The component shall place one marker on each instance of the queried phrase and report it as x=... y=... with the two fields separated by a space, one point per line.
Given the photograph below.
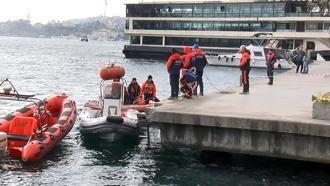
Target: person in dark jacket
x=299 y=58
x=197 y=59
x=133 y=91
x=173 y=66
x=271 y=60
x=245 y=68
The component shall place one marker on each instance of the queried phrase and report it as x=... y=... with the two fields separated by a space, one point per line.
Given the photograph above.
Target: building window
x=310 y=45
x=198 y=11
x=150 y=40
x=208 y=11
x=187 y=11
x=127 y=24
x=256 y=10
x=135 y=40
x=233 y=10
x=245 y=10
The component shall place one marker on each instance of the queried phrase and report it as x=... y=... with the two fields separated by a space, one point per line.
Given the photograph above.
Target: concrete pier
x=274 y=121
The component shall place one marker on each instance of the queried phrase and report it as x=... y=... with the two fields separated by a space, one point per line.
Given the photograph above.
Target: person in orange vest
x=245 y=68
x=197 y=59
x=148 y=90
x=271 y=60
x=173 y=66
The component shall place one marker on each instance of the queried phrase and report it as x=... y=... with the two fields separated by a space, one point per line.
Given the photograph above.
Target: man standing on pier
x=271 y=60
x=245 y=68
x=198 y=60
x=174 y=65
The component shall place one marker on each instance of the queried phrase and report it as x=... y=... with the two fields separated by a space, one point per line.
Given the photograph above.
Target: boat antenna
x=105 y=7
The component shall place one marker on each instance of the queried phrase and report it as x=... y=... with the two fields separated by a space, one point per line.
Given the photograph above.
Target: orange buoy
x=112 y=72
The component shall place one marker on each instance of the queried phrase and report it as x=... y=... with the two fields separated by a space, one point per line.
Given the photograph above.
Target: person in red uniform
x=245 y=68
x=148 y=90
x=173 y=66
x=186 y=51
x=197 y=59
x=271 y=60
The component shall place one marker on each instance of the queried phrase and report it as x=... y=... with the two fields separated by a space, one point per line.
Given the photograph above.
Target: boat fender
x=219 y=58
x=115 y=119
x=3 y=143
x=232 y=58
x=226 y=58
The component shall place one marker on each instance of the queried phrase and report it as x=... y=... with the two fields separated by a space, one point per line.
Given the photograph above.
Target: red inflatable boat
x=35 y=129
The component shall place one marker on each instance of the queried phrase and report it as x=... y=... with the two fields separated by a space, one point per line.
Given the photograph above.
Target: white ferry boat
x=222 y=26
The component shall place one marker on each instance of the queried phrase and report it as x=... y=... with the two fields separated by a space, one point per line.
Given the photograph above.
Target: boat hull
x=109 y=130
x=60 y=119
x=232 y=61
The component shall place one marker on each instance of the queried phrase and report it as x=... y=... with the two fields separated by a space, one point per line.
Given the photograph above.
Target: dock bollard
x=240 y=81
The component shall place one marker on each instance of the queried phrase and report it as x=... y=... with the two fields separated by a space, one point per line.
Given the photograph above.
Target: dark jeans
x=149 y=97
x=245 y=80
x=270 y=74
x=299 y=65
x=174 y=82
x=200 y=83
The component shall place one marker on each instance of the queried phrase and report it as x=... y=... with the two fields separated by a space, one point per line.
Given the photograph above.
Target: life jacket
x=148 y=88
x=176 y=66
x=245 y=61
x=198 y=60
x=271 y=58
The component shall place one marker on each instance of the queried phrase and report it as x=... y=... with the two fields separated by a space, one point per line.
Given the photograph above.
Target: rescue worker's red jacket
x=174 y=63
x=192 y=54
x=186 y=50
x=148 y=88
x=271 y=58
x=245 y=61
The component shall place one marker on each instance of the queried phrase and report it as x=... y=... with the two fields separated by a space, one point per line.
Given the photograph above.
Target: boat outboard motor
x=3 y=144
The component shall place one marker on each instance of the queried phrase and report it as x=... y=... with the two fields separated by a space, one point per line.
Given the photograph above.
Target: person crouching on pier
x=271 y=60
x=174 y=65
x=148 y=90
x=188 y=82
x=245 y=68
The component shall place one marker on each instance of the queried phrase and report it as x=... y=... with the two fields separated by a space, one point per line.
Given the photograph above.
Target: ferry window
x=175 y=25
x=198 y=11
x=245 y=10
x=279 y=10
x=150 y=40
x=310 y=45
x=267 y=10
x=208 y=26
x=327 y=26
x=186 y=26
x=176 y=11
x=208 y=11
x=135 y=40
x=219 y=26
x=219 y=11
x=256 y=10
x=165 y=11
x=233 y=10
x=187 y=12
x=266 y=27
x=197 y=26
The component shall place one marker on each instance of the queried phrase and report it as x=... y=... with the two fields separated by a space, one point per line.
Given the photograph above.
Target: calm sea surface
x=46 y=67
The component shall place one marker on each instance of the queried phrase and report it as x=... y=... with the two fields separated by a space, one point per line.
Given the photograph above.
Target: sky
x=42 y=11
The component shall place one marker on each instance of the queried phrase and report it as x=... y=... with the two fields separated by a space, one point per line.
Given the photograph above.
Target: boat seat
x=21 y=128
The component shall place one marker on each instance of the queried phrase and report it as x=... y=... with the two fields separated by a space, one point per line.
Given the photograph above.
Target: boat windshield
x=113 y=91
